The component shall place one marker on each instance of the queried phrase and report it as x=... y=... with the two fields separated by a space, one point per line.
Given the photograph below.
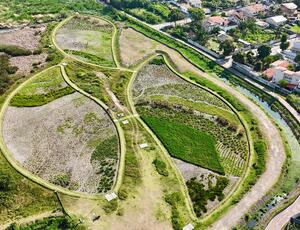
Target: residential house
x=293 y=78
x=236 y=16
x=253 y=10
x=270 y=72
x=295 y=46
x=218 y=22
x=261 y=24
x=276 y=21
x=289 y=9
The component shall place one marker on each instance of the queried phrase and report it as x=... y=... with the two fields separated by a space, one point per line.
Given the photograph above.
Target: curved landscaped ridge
x=127 y=127
x=204 y=137
x=61 y=136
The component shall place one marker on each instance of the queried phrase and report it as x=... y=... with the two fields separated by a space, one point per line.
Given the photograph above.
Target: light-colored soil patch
x=27 y=37
x=134 y=46
x=24 y=63
x=57 y=140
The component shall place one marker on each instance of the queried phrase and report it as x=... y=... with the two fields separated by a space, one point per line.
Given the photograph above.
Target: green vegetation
x=132 y=173
x=14 y=50
x=49 y=223
x=149 y=11
x=294 y=100
x=62 y=180
x=106 y=153
x=20 y=197
x=86 y=78
x=174 y=200
x=6 y=70
x=296 y=29
x=186 y=143
x=93 y=39
x=200 y=196
x=44 y=10
x=46 y=87
x=161 y=167
x=91 y=58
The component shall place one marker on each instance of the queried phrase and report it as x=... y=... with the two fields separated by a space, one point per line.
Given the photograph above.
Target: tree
x=197 y=14
x=239 y=57
x=283 y=83
x=228 y=47
x=297 y=58
x=258 y=66
x=264 y=51
x=175 y=15
x=284 y=44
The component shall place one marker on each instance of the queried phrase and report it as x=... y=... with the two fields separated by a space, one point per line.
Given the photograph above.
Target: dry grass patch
x=60 y=142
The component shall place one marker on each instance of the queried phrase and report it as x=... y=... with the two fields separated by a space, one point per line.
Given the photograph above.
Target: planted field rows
x=61 y=136
x=87 y=38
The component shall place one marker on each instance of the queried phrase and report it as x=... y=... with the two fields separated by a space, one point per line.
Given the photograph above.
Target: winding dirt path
x=279 y=221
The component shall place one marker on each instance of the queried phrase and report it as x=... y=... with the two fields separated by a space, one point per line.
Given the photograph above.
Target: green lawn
x=296 y=29
x=186 y=143
x=45 y=88
x=255 y=37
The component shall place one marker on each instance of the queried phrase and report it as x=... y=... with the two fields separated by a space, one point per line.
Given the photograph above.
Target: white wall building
x=293 y=78
x=277 y=20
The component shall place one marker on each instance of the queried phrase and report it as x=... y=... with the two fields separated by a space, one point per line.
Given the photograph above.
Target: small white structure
x=188 y=227
x=125 y=122
x=111 y=196
x=144 y=145
x=296 y=46
x=277 y=20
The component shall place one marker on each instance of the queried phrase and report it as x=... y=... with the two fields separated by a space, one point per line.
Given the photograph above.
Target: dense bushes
x=200 y=196
x=294 y=100
x=14 y=50
x=5 y=70
x=174 y=200
x=161 y=167
x=50 y=223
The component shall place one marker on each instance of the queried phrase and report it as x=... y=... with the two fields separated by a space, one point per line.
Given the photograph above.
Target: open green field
x=186 y=143
x=87 y=38
x=46 y=87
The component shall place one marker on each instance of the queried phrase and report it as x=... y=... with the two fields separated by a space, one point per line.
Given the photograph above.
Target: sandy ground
x=279 y=221
x=53 y=139
x=24 y=63
x=134 y=46
x=27 y=37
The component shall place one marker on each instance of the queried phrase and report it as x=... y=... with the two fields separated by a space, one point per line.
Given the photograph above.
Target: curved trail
x=281 y=219
x=274 y=162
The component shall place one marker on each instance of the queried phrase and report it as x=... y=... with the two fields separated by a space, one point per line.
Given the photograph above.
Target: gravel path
x=279 y=221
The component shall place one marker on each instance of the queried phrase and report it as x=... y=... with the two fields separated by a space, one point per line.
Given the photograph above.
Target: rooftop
x=290 y=5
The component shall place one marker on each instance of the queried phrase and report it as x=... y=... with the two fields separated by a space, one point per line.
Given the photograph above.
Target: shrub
x=161 y=167
x=14 y=50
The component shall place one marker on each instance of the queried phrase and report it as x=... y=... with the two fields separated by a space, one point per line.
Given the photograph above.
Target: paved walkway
x=279 y=221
